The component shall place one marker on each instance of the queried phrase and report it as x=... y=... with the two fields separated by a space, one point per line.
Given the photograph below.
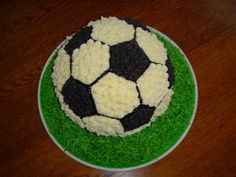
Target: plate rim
x=133 y=167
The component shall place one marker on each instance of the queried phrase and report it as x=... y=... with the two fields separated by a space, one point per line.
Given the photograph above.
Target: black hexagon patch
x=128 y=60
x=79 y=98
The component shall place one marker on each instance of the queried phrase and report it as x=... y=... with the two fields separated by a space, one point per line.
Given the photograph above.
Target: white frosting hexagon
x=151 y=46
x=115 y=96
x=103 y=125
x=162 y=107
x=61 y=69
x=112 y=31
x=153 y=84
x=90 y=61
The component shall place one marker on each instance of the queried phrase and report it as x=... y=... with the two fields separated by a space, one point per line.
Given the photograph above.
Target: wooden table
x=204 y=29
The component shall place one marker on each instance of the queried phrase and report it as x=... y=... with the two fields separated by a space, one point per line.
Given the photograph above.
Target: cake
x=113 y=77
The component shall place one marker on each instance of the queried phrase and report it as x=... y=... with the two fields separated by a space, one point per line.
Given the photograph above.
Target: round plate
x=132 y=152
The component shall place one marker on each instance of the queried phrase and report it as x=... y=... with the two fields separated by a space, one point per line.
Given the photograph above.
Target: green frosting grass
x=116 y=152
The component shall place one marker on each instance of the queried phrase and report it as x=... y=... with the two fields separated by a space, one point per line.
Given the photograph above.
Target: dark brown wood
x=204 y=29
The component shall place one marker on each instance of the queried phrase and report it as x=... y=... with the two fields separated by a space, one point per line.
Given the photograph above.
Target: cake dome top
x=113 y=77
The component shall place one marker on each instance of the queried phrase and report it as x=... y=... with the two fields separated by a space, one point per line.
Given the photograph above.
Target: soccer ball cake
x=113 y=77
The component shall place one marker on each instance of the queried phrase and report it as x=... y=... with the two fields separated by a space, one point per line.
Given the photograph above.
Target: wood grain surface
x=204 y=29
